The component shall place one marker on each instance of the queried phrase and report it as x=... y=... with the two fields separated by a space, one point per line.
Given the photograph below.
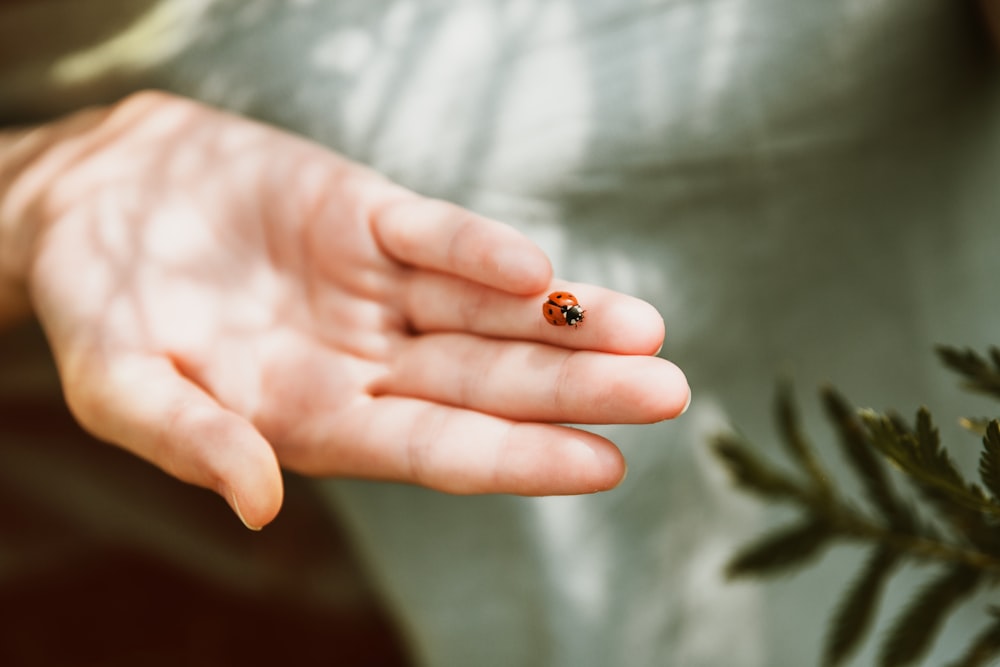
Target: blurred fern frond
x=955 y=525
x=982 y=373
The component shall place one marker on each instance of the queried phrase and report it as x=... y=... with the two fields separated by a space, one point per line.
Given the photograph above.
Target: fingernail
x=236 y=508
x=686 y=405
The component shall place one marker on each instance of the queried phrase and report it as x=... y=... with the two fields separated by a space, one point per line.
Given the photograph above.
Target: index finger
x=440 y=236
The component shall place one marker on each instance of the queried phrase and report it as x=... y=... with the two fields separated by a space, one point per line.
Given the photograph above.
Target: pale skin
x=225 y=299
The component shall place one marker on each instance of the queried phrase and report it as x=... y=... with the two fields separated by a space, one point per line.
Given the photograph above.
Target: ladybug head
x=574 y=315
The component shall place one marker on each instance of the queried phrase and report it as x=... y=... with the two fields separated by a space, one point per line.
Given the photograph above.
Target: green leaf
x=920 y=455
x=914 y=631
x=888 y=438
x=857 y=608
x=752 y=474
x=960 y=502
x=985 y=647
x=932 y=455
x=781 y=550
x=795 y=440
x=981 y=375
x=857 y=447
x=989 y=460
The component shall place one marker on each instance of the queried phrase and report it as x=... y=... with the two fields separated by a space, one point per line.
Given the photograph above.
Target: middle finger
x=535 y=382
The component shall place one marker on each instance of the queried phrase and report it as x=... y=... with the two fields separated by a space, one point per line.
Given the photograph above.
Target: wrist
x=31 y=161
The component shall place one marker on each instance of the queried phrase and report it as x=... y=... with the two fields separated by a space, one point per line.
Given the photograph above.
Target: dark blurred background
x=104 y=560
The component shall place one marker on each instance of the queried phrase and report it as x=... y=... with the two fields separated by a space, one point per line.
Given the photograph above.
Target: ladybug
x=562 y=308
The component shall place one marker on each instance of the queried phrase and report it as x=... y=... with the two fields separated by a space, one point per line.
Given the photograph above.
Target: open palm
x=223 y=299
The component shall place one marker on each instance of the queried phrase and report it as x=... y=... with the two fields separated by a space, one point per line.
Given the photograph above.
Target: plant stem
x=852 y=525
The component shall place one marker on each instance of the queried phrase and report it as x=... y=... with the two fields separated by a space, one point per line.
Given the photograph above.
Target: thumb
x=143 y=404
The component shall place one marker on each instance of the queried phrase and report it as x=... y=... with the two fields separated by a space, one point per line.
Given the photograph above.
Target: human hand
x=223 y=298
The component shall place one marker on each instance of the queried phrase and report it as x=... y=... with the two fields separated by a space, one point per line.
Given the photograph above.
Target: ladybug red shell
x=562 y=308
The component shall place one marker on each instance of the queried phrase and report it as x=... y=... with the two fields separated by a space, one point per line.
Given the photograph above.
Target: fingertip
x=613 y=322
x=252 y=484
x=441 y=236
x=522 y=268
x=671 y=397
x=234 y=504
x=590 y=464
x=687 y=404
x=646 y=390
x=628 y=325
x=657 y=333
x=256 y=508
x=226 y=453
x=144 y=405
x=611 y=468
x=621 y=480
